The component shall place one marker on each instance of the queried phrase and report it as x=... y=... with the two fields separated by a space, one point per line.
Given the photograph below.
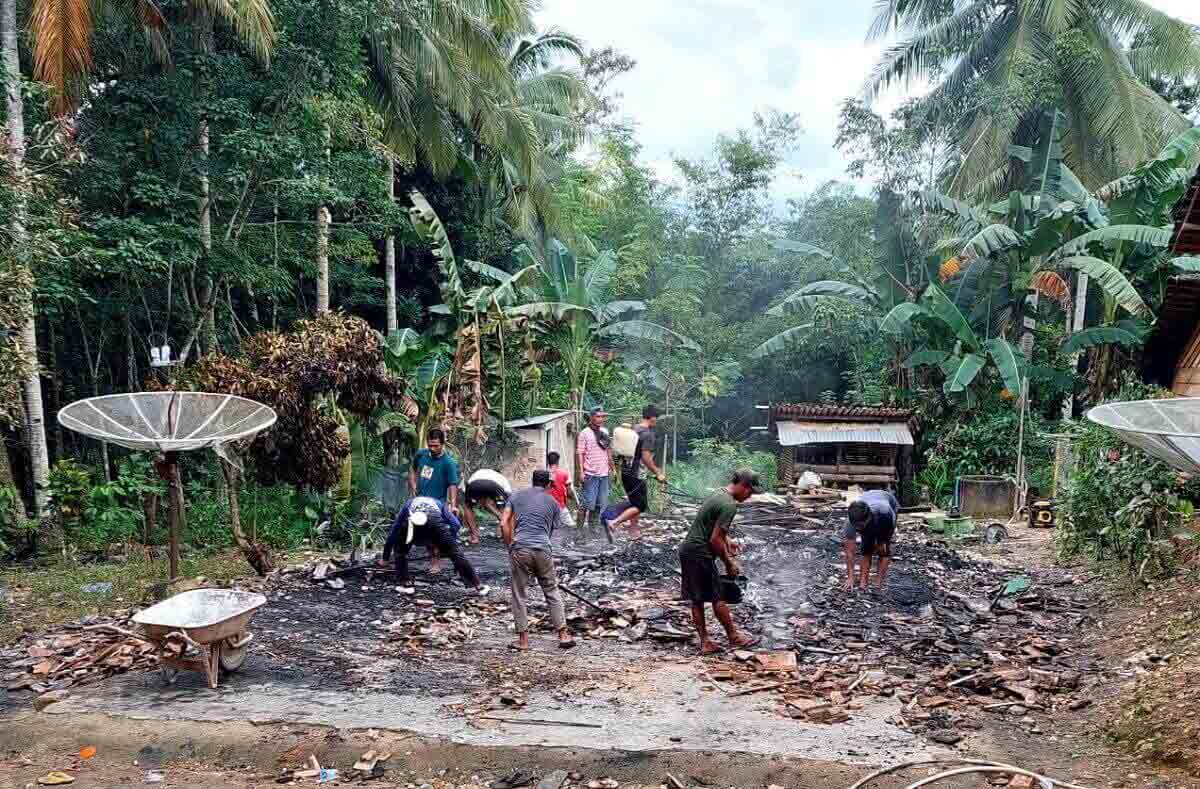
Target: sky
x=705 y=66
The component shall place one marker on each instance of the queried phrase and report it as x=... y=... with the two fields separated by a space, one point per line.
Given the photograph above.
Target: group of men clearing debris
x=527 y=519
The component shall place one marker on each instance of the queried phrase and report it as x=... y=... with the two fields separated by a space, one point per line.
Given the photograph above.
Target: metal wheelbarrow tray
x=201 y=630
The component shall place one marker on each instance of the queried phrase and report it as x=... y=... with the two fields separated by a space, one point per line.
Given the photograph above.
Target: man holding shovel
x=707 y=541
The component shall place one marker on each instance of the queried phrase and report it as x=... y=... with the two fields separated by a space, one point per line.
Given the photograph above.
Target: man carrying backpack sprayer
x=634 y=470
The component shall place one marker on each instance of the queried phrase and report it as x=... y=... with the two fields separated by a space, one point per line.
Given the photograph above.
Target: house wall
x=1187 y=371
x=520 y=467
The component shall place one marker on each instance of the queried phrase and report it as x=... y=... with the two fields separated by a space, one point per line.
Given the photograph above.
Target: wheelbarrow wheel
x=231 y=657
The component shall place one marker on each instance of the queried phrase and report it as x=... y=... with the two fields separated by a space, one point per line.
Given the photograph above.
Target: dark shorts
x=878 y=544
x=701 y=582
x=482 y=489
x=635 y=491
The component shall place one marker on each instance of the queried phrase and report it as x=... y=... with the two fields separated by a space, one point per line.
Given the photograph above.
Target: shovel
x=603 y=611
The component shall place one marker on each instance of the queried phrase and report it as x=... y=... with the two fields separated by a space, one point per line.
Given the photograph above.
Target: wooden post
x=178 y=518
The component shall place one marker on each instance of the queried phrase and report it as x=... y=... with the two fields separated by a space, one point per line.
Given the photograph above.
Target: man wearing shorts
x=873 y=520
x=429 y=522
x=488 y=489
x=708 y=540
x=595 y=462
x=634 y=471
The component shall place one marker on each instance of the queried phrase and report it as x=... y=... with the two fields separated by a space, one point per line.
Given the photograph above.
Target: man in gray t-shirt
x=526 y=526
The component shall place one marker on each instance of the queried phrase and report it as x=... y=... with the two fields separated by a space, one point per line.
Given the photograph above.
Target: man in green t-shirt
x=706 y=541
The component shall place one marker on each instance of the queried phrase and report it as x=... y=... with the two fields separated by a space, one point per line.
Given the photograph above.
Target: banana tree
x=569 y=303
x=479 y=318
x=953 y=346
x=900 y=271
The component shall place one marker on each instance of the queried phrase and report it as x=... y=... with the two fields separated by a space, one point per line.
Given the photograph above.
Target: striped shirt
x=595 y=457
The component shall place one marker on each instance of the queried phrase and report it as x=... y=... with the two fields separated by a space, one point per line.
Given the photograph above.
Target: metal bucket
x=984 y=496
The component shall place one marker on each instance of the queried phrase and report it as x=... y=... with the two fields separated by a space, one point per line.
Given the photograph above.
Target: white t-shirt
x=495 y=477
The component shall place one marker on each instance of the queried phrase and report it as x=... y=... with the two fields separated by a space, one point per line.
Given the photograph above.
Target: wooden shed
x=539 y=435
x=845 y=445
x=1173 y=350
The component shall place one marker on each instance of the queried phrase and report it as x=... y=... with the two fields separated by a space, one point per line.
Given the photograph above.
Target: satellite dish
x=167 y=421
x=170 y=423
x=1165 y=429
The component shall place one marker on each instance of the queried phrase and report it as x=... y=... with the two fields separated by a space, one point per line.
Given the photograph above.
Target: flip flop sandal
x=515 y=647
x=716 y=650
x=567 y=644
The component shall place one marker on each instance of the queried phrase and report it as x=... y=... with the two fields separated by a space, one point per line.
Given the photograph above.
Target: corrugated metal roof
x=794 y=434
x=534 y=421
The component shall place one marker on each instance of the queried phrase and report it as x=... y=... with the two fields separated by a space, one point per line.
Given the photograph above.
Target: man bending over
x=873 y=519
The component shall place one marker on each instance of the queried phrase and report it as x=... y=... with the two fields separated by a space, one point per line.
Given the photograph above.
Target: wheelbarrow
x=200 y=630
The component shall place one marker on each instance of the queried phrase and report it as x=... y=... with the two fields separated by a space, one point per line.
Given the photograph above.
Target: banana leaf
x=782 y=342
x=1138 y=234
x=801 y=248
x=971 y=364
x=652 y=332
x=926 y=357
x=550 y=310
x=991 y=240
x=1006 y=361
x=940 y=305
x=1186 y=263
x=599 y=275
x=615 y=308
x=1109 y=278
x=1099 y=335
x=899 y=320
x=429 y=227
x=803 y=299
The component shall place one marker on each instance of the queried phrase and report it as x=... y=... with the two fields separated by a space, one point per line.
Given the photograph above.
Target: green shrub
x=984 y=441
x=1121 y=505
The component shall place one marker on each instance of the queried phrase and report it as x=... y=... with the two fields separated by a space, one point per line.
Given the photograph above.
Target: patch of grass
x=47 y=596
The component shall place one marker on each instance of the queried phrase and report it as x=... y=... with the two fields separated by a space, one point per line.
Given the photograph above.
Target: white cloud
x=705 y=66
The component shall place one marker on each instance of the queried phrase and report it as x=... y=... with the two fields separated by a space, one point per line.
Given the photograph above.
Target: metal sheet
x=794 y=434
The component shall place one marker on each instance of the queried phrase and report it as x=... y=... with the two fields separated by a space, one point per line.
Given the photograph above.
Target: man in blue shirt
x=435 y=474
x=426 y=521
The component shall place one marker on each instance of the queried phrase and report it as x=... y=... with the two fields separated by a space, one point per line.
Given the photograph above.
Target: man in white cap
x=427 y=521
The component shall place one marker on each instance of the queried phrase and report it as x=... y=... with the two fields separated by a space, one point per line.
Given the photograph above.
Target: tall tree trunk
x=322 y=259
x=389 y=257
x=323 y=219
x=35 y=418
x=204 y=44
x=131 y=374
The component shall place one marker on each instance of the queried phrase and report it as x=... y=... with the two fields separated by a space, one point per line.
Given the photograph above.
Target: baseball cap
x=418 y=518
x=598 y=411
x=541 y=478
x=748 y=477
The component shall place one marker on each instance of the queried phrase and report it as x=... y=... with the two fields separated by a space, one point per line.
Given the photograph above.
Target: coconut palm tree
x=35 y=430
x=999 y=63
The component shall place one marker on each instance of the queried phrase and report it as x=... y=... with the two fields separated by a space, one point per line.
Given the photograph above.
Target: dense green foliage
x=1121 y=504
x=453 y=184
